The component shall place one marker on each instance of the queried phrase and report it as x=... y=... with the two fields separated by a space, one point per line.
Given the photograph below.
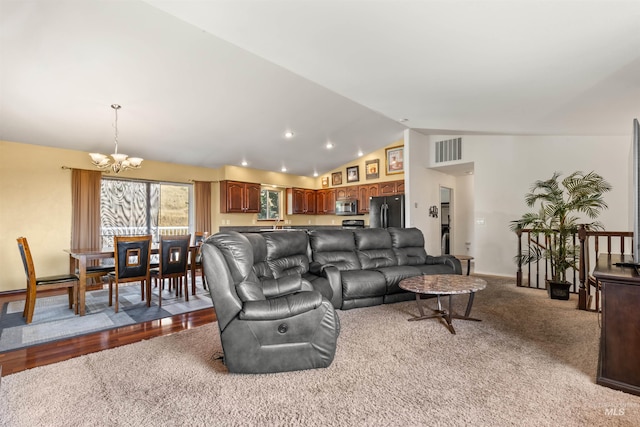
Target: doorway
x=446 y=225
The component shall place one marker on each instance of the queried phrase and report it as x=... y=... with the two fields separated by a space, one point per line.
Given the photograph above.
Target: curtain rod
x=80 y=169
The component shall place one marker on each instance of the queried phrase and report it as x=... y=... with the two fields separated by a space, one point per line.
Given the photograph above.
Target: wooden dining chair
x=132 y=256
x=36 y=284
x=174 y=256
x=198 y=238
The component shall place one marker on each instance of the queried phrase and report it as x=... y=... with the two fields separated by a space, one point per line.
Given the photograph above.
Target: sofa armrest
x=333 y=275
x=281 y=307
x=285 y=285
x=446 y=260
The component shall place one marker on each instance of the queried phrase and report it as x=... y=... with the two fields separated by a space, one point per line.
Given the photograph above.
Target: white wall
x=505 y=167
x=462 y=237
x=422 y=190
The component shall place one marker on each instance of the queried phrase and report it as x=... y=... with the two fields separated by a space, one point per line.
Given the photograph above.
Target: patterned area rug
x=53 y=320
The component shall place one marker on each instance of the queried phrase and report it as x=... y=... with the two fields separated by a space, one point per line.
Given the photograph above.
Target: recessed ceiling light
x=329 y=145
x=244 y=163
x=360 y=153
x=283 y=169
x=288 y=134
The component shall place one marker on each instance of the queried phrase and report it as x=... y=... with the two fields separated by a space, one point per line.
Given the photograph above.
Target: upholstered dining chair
x=198 y=238
x=132 y=256
x=174 y=256
x=35 y=284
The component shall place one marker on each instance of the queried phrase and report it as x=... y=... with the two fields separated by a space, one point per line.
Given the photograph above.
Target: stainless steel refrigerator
x=386 y=211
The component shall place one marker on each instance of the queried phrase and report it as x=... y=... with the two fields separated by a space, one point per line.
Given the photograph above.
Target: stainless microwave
x=347 y=207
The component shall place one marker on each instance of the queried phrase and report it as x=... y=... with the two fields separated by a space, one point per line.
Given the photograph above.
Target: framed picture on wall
x=372 y=169
x=325 y=181
x=353 y=174
x=336 y=178
x=395 y=160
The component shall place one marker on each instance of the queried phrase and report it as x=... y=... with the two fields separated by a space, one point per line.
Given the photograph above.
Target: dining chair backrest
x=174 y=254
x=132 y=257
x=27 y=260
x=198 y=238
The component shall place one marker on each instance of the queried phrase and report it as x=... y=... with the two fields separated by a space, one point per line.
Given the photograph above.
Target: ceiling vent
x=449 y=150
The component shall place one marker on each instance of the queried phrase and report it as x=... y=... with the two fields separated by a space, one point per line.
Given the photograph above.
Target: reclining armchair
x=266 y=326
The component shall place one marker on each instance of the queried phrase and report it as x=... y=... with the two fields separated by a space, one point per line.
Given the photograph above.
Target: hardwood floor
x=45 y=354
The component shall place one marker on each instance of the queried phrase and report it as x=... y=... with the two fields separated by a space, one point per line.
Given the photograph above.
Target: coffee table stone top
x=443 y=284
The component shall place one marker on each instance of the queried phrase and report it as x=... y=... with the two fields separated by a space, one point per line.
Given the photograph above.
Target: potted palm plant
x=560 y=204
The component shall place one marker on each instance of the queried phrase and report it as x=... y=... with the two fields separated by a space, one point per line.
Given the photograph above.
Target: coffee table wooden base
x=447 y=315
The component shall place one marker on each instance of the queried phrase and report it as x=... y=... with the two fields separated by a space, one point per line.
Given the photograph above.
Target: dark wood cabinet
x=350 y=192
x=326 y=202
x=364 y=192
x=239 y=197
x=618 y=364
x=391 y=188
x=301 y=201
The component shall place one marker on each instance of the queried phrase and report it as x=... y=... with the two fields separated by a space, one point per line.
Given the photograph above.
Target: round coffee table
x=443 y=284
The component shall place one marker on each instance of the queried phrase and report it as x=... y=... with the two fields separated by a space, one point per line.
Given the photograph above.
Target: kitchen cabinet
x=350 y=192
x=326 y=202
x=364 y=192
x=391 y=188
x=239 y=197
x=301 y=201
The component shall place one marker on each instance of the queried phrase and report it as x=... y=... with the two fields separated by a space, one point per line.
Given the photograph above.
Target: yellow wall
x=35 y=200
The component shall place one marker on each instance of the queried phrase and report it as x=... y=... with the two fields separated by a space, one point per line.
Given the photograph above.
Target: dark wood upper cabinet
x=301 y=201
x=364 y=192
x=326 y=202
x=239 y=197
x=390 y=188
x=350 y=192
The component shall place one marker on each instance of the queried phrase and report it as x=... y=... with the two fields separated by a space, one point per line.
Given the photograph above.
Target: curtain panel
x=202 y=194
x=85 y=217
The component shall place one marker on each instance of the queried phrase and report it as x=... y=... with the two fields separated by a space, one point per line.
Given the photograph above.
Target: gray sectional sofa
x=275 y=293
x=350 y=268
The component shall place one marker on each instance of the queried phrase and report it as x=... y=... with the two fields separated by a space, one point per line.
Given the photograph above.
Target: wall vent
x=449 y=150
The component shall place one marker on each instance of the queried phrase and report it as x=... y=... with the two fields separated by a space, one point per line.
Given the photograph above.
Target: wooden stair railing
x=614 y=241
x=541 y=268
x=619 y=241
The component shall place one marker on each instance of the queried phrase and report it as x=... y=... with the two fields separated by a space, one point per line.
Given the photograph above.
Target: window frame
x=149 y=228
x=278 y=216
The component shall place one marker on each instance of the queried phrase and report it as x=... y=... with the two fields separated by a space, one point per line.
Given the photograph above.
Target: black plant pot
x=558 y=290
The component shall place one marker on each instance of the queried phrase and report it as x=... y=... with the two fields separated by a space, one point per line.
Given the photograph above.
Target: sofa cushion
x=393 y=276
x=374 y=248
x=408 y=245
x=250 y=291
x=363 y=283
x=293 y=264
x=287 y=252
x=260 y=266
x=335 y=247
x=237 y=252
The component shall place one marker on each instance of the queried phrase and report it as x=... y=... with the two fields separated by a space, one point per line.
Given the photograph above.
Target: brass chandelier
x=118 y=161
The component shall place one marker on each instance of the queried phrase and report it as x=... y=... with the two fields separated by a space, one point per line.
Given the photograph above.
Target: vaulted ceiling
x=209 y=83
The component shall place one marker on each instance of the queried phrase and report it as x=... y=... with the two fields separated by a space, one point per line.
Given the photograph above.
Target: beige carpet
x=532 y=361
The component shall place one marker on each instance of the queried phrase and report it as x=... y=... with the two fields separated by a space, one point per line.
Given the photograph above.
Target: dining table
x=80 y=258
